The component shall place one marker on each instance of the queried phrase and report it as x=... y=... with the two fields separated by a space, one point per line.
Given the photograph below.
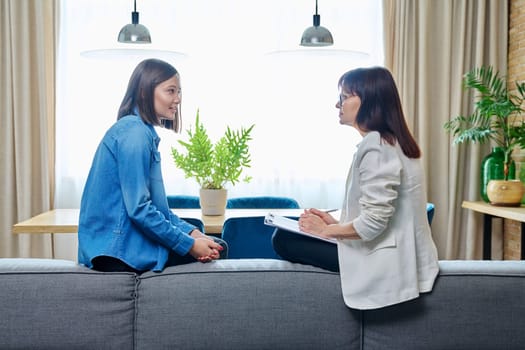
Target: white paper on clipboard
x=290 y=225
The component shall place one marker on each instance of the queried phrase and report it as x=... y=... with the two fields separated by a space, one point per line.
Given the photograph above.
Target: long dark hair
x=381 y=108
x=140 y=93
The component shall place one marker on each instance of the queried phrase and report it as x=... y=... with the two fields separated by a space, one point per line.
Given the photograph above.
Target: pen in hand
x=325 y=211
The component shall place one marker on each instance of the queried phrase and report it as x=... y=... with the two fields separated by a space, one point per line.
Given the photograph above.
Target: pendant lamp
x=134 y=33
x=317 y=35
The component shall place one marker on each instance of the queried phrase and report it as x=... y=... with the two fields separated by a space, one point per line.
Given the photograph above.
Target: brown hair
x=140 y=93
x=380 y=109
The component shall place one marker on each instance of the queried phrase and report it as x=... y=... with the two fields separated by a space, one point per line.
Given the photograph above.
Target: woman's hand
x=327 y=218
x=311 y=223
x=322 y=224
x=315 y=221
x=205 y=249
x=198 y=234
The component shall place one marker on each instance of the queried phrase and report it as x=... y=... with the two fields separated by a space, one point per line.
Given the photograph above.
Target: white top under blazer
x=396 y=258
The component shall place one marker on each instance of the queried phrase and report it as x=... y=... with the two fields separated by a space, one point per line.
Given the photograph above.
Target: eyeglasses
x=343 y=98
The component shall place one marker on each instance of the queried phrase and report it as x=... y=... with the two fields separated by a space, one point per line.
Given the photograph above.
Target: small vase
x=213 y=202
x=492 y=168
x=506 y=193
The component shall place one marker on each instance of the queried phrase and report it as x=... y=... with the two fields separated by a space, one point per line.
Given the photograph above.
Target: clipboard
x=292 y=225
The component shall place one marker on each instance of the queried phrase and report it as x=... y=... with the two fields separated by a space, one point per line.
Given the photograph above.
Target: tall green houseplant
x=214 y=165
x=497 y=114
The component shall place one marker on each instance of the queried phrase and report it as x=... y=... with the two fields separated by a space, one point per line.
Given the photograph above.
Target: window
x=242 y=65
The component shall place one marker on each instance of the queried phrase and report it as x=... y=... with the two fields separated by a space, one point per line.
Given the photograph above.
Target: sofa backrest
x=244 y=304
x=57 y=304
x=252 y=304
x=473 y=305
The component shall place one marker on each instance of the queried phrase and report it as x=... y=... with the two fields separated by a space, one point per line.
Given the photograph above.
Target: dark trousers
x=111 y=264
x=301 y=249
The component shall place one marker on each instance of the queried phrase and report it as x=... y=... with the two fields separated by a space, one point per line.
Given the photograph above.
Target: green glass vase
x=519 y=160
x=492 y=169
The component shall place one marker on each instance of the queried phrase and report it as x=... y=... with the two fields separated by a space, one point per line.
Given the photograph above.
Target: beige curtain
x=429 y=45
x=27 y=113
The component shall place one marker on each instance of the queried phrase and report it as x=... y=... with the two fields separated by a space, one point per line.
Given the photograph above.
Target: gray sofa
x=252 y=304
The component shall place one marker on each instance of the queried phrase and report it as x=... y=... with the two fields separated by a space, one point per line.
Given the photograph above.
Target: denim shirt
x=124 y=211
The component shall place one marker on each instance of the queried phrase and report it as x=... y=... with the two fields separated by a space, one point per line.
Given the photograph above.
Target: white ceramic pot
x=507 y=193
x=213 y=202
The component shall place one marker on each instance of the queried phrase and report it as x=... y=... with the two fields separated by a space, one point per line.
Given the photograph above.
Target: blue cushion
x=270 y=202
x=248 y=237
x=183 y=201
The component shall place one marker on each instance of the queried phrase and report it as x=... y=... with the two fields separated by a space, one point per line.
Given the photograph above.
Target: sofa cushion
x=57 y=304
x=244 y=304
x=474 y=305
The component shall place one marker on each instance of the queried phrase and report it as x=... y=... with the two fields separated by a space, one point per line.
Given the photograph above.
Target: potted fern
x=497 y=117
x=214 y=165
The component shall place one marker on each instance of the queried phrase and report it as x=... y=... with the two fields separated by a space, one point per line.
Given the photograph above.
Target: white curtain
x=27 y=92
x=458 y=36
x=242 y=65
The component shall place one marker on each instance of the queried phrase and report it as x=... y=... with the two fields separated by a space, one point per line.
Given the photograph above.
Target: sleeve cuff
x=184 y=244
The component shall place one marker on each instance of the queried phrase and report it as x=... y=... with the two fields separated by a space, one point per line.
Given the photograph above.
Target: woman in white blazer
x=383 y=246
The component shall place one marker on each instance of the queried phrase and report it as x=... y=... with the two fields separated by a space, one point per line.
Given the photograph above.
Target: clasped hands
x=316 y=222
x=204 y=249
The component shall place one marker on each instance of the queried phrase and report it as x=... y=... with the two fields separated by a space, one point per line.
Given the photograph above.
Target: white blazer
x=396 y=258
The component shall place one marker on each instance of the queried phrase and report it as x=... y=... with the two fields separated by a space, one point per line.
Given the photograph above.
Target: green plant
x=214 y=165
x=497 y=113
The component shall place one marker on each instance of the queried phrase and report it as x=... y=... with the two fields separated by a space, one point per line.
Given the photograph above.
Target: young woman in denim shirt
x=125 y=223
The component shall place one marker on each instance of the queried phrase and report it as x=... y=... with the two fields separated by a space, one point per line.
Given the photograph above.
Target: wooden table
x=490 y=211
x=66 y=220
